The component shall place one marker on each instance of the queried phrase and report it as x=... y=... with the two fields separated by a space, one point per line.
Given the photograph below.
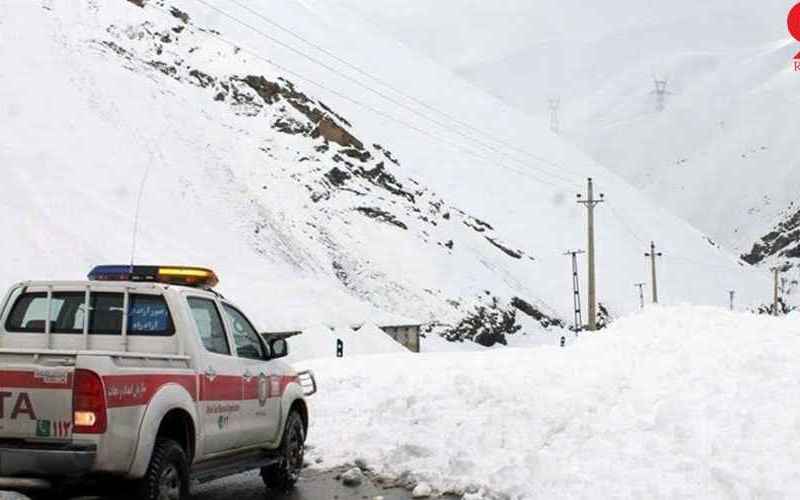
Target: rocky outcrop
x=782 y=242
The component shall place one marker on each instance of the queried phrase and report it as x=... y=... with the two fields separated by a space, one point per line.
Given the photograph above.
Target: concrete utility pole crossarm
x=652 y=255
x=590 y=202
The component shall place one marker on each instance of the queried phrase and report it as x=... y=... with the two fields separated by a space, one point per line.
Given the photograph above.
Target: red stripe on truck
x=137 y=390
x=221 y=388
x=36 y=379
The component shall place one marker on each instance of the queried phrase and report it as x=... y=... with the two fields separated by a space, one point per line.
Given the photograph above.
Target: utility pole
x=733 y=295
x=576 y=294
x=652 y=255
x=661 y=93
x=640 y=286
x=776 y=292
x=591 y=202
x=555 y=105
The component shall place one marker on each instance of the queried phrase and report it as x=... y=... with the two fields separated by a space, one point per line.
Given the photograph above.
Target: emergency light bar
x=173 y=275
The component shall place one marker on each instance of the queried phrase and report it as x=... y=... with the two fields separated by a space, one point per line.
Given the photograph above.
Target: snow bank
x=320 y=342
x=673 y=403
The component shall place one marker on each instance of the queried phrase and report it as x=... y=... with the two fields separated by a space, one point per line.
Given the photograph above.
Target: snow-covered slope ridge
x=694 y=403
x=312 y=208
x=722 y=153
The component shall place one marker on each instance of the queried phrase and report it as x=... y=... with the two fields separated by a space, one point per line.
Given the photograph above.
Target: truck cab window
x=148 y=315
x=248 y=343
x=209 y=325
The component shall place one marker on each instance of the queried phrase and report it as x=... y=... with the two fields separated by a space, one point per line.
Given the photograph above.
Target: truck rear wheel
x=167 y=476
x=283 y=475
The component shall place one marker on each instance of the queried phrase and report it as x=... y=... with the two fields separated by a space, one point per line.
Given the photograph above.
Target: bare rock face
x=783 y=241
x=328 y=129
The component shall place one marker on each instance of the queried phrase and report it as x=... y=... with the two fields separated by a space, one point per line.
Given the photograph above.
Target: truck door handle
x=248 y=376
x=211 y=373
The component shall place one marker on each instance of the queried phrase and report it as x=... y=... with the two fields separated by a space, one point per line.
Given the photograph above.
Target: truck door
x=261 y=410
x=220 y=400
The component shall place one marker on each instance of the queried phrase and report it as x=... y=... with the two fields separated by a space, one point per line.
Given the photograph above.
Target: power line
x=380 y=94
x=382 y=82
x=626 y=226
x=455 y=145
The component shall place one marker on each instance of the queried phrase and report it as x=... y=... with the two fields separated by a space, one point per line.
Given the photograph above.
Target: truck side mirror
x=279 y=348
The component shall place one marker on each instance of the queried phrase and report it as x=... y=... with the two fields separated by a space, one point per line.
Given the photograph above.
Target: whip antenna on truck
x=136 y=215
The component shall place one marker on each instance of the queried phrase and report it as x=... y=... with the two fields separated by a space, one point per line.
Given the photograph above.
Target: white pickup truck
x=183 y=390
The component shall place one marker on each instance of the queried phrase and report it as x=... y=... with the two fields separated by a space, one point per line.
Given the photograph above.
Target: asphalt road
x=313 y=485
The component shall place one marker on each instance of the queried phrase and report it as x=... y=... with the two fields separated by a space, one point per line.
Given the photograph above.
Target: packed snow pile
x=680 y=402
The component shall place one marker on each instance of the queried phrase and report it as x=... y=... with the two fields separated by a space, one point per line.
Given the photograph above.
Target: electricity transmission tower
x=661 y=93
x=652 y=255
x=554 y=105
x=591 y=202
x=576 y=293
x=640 y=286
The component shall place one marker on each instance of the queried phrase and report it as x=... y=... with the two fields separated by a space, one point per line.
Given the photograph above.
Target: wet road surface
x=313 y=485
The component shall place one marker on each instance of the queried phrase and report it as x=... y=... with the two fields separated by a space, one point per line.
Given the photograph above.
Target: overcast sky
x=464 y=33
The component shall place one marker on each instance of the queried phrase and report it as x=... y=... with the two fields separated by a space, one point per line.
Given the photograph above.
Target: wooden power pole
x=733 y=296
x=653 y=254
x=576 y=291
x=591 y=202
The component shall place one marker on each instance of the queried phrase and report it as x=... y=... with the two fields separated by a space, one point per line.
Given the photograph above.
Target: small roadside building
x=405 y=334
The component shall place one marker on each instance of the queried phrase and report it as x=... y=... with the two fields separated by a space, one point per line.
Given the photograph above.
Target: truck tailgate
x=35 y=400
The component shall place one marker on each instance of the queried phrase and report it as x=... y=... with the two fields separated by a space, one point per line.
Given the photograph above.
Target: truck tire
x=167 y=476
x=283 y=475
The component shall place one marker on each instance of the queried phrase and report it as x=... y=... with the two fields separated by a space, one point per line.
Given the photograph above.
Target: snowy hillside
x=690 y=403
x=728 y=68
x=317 y=200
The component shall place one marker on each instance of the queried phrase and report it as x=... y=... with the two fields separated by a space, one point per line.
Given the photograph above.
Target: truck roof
x=97 y=285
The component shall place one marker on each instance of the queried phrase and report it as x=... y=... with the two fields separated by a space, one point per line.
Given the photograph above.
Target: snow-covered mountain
x=316 y=198
x=721 y=153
